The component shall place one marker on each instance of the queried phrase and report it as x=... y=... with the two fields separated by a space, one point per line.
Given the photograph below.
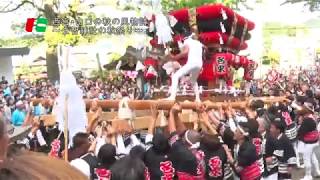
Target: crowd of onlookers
x=15 y=98
x=252 y=143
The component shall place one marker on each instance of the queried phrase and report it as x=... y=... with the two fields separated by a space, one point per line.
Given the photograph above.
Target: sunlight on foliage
x=30 y=71
x=114 y=56
x=26 y=41
x=271 y=58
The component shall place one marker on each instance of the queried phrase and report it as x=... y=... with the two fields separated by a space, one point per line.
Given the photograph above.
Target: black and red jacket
x=215 y=162
x=159 y=165
x=183 y=160
x=247 y=159
x=308 y=132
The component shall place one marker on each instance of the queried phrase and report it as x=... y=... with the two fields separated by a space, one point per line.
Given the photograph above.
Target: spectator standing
x=18 y=115
x=3 y=80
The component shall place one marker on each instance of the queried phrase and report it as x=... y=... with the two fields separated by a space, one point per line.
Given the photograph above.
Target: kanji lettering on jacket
x=287 y=118
x=251 y=172
x=201 y=165
x=103 y=174
x=215 y=166
x=167 y=170
x=146 y=174
x=257 y=142
x=55 y=148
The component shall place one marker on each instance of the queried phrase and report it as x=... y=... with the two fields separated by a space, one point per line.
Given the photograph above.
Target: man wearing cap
x=3 y=80
x=18 y=115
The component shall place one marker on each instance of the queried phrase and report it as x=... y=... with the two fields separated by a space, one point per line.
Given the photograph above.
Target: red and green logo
x=40 y=24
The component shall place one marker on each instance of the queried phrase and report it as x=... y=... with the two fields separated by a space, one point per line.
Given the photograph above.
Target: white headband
x=186 y=138
x=193 y=146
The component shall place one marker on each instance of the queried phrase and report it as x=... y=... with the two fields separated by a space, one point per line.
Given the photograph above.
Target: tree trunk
x=52 y=66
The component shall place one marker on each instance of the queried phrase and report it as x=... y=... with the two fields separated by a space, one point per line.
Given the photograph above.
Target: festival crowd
x=257 y=142
x=15 y=99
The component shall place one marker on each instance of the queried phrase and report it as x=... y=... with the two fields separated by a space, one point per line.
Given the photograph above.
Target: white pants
x=296 y=146
x=315 y=163
x=307 y=156
x=271 y=177
x=194 y=70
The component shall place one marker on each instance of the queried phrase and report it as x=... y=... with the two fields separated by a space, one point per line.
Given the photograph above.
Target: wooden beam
x=166 y=105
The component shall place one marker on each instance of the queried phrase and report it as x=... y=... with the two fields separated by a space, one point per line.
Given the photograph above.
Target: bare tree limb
x=290 y=1
x=312 y=4
x=20 y=5
x=7 y=5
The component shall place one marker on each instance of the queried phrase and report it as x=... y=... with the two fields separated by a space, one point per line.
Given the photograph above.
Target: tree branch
x=6 y=6
x=313 y=4
x=20 y=5
x=295 y=1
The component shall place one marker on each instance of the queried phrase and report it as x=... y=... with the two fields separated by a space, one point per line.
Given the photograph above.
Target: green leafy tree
x=273 y=29
x=271 y=58
x=25 y=41
x=178 y=4
x=28 y=71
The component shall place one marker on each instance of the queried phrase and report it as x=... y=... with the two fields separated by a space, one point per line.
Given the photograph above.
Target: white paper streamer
x=173 y=21
x=200 y=89
x=224 y=15
x=140 y=66
x=118 y=66
x=223 y=29
x=163 y=28
x=220 y=39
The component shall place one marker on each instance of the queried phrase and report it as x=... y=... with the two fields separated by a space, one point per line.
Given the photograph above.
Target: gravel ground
x=299 y=173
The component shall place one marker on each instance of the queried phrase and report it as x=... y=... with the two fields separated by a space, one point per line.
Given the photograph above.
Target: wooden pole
x=66 y=129
x=66 y=114
x=166 y=105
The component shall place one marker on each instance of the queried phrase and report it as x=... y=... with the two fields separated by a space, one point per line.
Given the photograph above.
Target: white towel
x=164 y=32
